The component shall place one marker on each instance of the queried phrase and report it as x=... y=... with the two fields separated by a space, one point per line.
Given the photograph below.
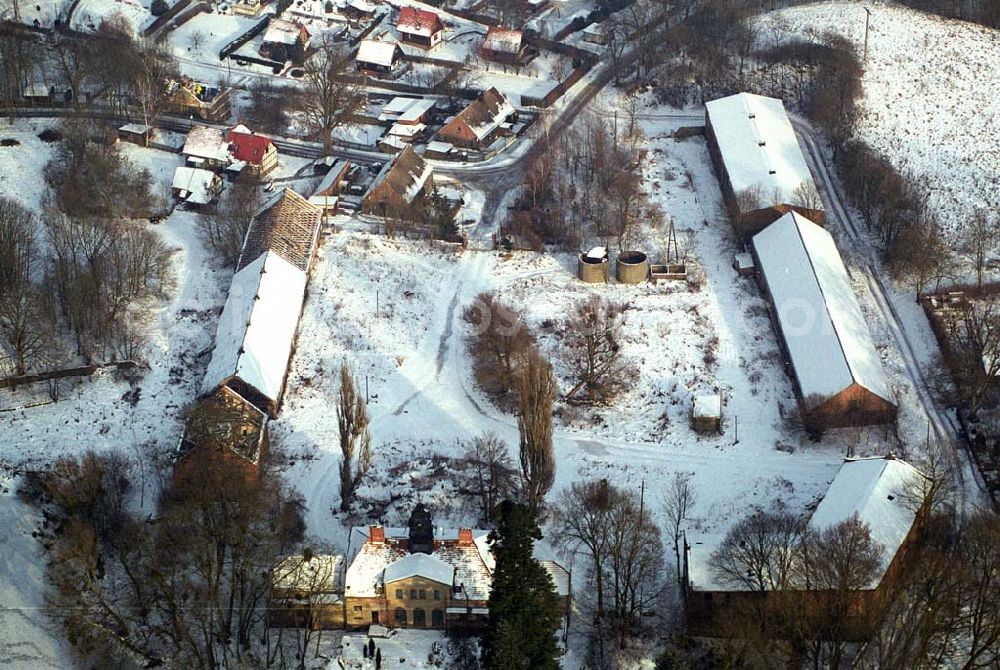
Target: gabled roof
x=416 y=21
x=206 y=142
x=880 y=492
x=224 y=420
x=337 y=171
x=485 y=113
x=419 y=565
x=257 y=326
x=503 y=40
x=280 y=31
x=378 y=52
x=247 y=145
x=824 y=330
x=406 y=174
x=758 y=146
x=322 y=573
x=195 y=184
x=286 y=224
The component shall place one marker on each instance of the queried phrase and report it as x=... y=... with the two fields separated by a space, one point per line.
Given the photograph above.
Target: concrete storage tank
x=593 y=266
x=632 y=267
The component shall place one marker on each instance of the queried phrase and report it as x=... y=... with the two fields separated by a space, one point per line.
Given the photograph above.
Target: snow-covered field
x=21 y=166
x=89 y=13
x=930 y=103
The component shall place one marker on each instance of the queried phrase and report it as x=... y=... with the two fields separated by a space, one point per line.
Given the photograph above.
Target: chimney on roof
x=465 y=536
x=376 y=534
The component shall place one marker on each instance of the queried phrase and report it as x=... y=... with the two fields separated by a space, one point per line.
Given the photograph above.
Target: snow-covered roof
x=758 y=146
x=321 y=573
x=419 y=565
x=824 y=330
x=134 y=128
x=417 y=21
x=336 y=172
x=598 y=253
x=484 y=114
x=440 y=147
x=195 y=185
x=36 y=90
x=707 y=407
x=405 y=130
x=503 y=40
x=407 y=173
x=416 y=111
x=377 y=52
x=257 y=326
x=879 y=491
x=280 y=31
x=206 y=142
x=362 y=6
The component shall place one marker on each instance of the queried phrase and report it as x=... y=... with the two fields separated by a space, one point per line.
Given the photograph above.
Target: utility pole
x=868 y=19
x=736 y=429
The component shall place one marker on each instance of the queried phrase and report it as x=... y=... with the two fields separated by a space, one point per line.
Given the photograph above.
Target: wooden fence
x=84 y=371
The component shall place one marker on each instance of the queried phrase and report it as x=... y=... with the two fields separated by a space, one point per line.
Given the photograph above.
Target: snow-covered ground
x=89 y=13
x=930 y=103
x=21 y=166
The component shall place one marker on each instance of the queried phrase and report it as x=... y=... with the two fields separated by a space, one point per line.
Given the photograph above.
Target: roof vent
x=752 y=116
x=761 y=143
x=772 y=171
x=891 y=497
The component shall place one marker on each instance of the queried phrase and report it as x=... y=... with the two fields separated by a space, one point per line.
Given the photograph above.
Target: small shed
x=437 y=149
x=743 y=264
x=136 y=133
x=706 y=414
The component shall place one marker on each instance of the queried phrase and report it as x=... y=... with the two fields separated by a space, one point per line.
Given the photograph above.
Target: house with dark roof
x=403 y=181
x=250 y=151
x=419 y=27
x=478 y=125
x=829 y=353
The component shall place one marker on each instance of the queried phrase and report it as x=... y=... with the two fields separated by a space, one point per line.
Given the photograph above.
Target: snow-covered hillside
x=930 y=103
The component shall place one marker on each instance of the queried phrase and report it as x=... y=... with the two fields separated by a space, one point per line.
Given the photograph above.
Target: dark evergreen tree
x=524 y=607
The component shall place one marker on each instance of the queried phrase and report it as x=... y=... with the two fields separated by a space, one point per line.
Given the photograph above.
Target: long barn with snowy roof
x=259 y=323
x=760 y=165
x=888 y=496
x=836 y=370
x=399 y=185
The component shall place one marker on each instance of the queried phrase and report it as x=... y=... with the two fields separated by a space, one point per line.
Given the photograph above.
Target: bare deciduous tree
x=490 y=472
x=536 y=388
x=677 y=503
x=975 y=349
x=498 y=343
x=224 y=229
x=758 y=552
x=593 y=350
x=583 y=519
x=978 y=243
x=329 y=99
x=355 y=440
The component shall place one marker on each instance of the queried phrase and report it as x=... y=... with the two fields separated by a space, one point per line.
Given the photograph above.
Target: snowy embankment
x=930 y=103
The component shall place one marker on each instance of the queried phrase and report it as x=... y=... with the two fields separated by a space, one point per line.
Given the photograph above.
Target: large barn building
x=829 y=353
x=886 y=494
x=399 y=186
x=258 y=325
x=760 y=165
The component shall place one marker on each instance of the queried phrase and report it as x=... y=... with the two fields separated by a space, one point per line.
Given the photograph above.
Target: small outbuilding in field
x=378 y=57
x=706 y=413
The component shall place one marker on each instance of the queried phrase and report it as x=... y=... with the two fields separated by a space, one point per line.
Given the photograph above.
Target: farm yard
x=414 y=331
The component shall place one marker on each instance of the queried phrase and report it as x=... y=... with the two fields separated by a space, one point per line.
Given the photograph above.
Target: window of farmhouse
x=413 y=594
x=423 y=594
x=437 y=595
x=399 y=594
x=419 y=617
x=401 y=616
x=358 y=608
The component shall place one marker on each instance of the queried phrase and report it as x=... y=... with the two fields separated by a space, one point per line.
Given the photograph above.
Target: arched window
x=437 y=618
x=400 y=616
x=419 y=617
